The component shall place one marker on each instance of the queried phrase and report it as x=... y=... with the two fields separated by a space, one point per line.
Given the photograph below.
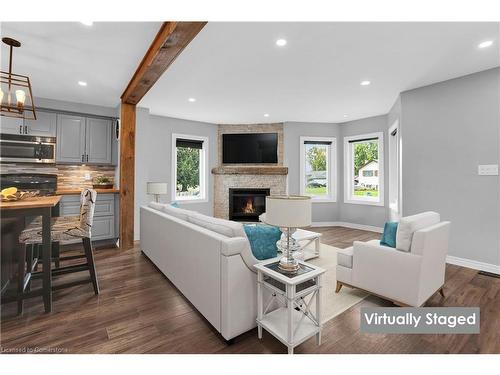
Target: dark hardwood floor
x=140 y=311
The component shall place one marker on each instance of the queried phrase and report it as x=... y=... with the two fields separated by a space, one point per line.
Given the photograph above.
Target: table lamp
x=157 y=189
x=289 y=213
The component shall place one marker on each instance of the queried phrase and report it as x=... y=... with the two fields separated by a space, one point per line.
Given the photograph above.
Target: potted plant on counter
x=102 y=182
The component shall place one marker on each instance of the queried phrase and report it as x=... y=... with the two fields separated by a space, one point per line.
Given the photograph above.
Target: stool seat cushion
x=63 y=229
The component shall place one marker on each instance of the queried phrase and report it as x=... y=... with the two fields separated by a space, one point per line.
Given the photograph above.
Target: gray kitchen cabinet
x=44 y=125
x=103 y=228
x=70 y=146
x=105 y=214
x=83 y=140
x=98 y=134
x=11 y=125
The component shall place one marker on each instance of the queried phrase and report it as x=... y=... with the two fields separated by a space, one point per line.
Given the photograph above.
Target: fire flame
x=248 y=207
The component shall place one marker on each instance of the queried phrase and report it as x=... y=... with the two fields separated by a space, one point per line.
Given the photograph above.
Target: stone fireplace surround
x=262 y=176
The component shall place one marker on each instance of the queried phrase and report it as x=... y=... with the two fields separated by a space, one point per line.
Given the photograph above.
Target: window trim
x=204 y=178
x=349 y=167
x=332 y=168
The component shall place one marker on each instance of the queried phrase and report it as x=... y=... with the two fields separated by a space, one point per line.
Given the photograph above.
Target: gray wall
x=361 y=213
x=448 y=129
x=76 y=107
x=153 y=157
x=321 y=212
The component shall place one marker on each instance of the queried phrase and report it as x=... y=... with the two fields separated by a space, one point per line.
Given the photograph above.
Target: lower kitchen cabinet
x=105 y=225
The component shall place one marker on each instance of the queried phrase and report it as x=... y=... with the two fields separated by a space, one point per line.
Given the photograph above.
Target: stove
x=46 y=184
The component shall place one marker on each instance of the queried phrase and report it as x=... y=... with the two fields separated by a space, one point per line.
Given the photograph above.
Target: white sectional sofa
x=209 y=260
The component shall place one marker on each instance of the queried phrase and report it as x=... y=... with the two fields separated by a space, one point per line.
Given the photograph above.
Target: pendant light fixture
x=16 y=98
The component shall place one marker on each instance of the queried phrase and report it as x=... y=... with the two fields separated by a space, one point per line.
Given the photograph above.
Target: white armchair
x=408 y=275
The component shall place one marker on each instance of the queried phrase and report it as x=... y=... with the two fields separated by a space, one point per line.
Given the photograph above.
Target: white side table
x=306 y=237
x=293 y=322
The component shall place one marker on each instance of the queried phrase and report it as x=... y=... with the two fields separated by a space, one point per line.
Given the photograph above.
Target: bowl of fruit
x=11 y=194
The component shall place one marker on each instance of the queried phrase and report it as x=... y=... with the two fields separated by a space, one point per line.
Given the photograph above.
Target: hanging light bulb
x=20 y=97
x=16 y=98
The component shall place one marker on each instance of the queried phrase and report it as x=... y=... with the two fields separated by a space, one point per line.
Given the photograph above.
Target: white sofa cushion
x=410 y=224
x=179 y=213
x=225 y=227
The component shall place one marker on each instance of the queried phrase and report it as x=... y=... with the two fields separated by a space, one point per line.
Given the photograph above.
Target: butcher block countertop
x=35 y=202
x=78 y=191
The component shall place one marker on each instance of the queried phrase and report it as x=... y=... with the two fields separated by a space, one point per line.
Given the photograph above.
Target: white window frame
x=203 y=198
x=349 y=170
x=332 y=168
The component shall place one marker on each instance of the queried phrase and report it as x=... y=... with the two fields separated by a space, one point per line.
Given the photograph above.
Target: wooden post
x=127 y=175
x=170 y=41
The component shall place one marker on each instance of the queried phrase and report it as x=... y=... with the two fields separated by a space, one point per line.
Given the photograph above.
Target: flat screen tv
x=250 y=148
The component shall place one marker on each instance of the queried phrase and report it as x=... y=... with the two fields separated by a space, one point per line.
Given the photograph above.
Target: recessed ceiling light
x=281 y=42
x=192 y=100
x=82 y=83
x=345 y=116
x=266 y=114
x=87 y=23
x=485 y=44
x=365 y=83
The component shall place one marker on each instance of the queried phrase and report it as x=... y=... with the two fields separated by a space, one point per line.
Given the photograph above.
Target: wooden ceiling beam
x=170 y=41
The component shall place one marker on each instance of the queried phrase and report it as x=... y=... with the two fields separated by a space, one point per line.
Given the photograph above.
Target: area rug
x=334 y=303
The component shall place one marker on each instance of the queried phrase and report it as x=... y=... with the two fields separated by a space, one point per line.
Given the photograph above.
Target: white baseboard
x=463 y=262
x=370 y=228
x=474 y=264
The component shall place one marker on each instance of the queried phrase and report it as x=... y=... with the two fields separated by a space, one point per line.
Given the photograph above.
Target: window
x=189 y=168
x=318 y=168
x=364 y=169
x=367 y=173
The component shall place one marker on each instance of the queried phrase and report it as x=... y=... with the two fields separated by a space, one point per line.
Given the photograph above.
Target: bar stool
x=66 y=229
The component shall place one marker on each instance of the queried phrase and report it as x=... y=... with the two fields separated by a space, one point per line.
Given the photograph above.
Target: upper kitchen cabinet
x=44 y=125
x=11 y=125
x=98 y=141
x=84 y=140
x=70 y=146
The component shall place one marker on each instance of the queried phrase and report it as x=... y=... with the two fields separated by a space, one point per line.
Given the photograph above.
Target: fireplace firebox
x=247 y=204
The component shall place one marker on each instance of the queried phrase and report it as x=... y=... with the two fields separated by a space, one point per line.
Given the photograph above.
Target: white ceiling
x=56 y=55
x=237 y=73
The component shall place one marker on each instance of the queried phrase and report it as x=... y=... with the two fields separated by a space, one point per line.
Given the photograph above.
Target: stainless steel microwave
x=27 y=149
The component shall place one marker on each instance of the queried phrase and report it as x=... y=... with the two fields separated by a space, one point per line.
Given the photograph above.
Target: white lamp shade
x=157 y=188
x=290 y=211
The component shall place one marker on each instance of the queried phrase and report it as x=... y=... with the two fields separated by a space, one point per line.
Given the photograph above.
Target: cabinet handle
x=87 y=158
x=83 y=158
x=25 y=129
x=20 y=129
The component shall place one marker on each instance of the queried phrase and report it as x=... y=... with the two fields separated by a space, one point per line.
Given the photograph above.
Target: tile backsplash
x=68 y=176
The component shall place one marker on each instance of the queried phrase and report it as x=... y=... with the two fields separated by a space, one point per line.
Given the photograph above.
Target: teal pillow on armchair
x=263 y=240
x=389 y=235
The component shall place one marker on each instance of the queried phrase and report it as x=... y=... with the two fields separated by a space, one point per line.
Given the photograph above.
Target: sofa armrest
x=241 y=246
x=386 y=271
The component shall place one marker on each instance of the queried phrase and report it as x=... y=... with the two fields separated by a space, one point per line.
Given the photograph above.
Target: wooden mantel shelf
x=268 y=170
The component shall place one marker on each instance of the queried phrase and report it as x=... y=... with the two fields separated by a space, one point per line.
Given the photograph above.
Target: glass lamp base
x=288 y=266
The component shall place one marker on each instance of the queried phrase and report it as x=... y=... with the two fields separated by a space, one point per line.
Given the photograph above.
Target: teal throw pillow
x=389 y=236
x=263 y=240
x=174 y=204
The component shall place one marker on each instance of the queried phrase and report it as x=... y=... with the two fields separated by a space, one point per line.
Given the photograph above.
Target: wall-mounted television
x=250 y=148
